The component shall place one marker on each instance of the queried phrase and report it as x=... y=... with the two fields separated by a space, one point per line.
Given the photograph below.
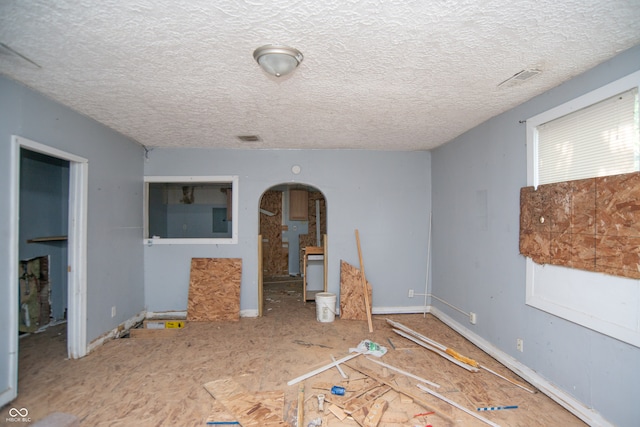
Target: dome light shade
x=278 y=60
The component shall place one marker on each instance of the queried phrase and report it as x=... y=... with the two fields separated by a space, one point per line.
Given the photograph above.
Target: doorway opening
x=292 y=247
x=49 y=219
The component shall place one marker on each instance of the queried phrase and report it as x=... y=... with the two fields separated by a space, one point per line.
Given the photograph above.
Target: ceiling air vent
x=520 y=77
x=249 y=138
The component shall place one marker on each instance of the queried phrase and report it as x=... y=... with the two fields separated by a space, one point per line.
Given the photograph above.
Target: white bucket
x=325 y=307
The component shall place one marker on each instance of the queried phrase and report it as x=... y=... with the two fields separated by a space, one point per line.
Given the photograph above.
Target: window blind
x=598 y=140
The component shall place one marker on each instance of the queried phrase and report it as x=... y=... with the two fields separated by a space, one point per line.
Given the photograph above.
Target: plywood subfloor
x=160 y=382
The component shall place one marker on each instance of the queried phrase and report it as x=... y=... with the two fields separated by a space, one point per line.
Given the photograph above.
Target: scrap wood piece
x=300 y=413
x=214 y=289
x=363 y=278
x=405 y=373
x=402 y=390
x=375 y=413
x=339 y=413
x=248 y=409
x=351 y=293
x=452 y=403
x=219 y=414
x=365 y=399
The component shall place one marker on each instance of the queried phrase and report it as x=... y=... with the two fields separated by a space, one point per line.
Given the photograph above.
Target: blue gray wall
x=477 y=266
x=115 y=254
x=385 y=195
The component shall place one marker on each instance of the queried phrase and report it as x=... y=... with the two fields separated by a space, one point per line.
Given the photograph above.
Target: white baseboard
x=166 y=315
x=183 y=314
x=248 y=313
x=400 y=310
x=116 y=332
x=570 y=403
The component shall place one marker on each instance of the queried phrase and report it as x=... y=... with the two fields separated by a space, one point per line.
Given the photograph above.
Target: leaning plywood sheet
x=352 y=301
x=214 y=289
x=248 y=409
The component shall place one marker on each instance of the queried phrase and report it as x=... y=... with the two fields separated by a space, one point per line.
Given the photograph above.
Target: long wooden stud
x=515 y=383
x=405 y=373
x=363 y=278
x=322 y=369
x=437 y=351
x=452 y=403
x=300 y=415
x=451 y=353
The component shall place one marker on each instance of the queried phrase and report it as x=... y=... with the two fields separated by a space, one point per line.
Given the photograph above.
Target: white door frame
x=76 y=244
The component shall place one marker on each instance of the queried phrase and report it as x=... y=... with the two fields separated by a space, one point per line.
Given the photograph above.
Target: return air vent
x=249 y=138
x=520 y=77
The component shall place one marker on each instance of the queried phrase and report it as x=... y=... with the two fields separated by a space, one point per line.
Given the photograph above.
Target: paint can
x=325 y=307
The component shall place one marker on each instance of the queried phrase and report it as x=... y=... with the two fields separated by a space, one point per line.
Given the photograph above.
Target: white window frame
x=604 y=303
x=233 y=179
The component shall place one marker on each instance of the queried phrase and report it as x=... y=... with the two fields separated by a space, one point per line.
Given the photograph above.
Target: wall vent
x=520 y=77
x=249 y=138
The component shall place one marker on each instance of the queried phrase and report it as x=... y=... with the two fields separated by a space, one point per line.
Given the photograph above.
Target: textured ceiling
x=382 y=75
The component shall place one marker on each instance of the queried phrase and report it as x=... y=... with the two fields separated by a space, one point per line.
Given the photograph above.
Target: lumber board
x=247 y=408
x=214 y=289
x=375 y=412
x=351 y=293
x=363 y=279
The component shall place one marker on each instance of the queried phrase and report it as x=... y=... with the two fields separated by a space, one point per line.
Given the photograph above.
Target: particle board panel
x=248 y=409
x=214 y=289
x=618 y=205
x=591 y=224
x=276 y=257
x=352 y=302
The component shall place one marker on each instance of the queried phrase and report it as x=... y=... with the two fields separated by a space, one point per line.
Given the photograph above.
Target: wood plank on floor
x=247 y=408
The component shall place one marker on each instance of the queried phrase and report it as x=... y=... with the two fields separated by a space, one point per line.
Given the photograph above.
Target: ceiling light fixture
x=277 y=60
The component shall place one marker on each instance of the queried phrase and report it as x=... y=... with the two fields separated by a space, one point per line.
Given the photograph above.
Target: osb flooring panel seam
x=160 y=382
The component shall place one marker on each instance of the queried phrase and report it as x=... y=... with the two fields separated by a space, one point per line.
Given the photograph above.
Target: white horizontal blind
x=598 y=140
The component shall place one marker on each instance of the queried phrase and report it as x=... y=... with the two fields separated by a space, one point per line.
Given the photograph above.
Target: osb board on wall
x=352 y=302
x=214 y=289
x=590 y=224
x=275 y=255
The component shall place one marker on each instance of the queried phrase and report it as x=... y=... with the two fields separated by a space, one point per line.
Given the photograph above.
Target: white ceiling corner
x=379 y=75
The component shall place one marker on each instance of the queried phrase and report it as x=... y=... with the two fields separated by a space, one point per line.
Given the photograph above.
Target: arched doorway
x=292 y=224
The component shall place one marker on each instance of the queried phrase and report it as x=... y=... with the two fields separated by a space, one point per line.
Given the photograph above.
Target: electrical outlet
x=520 y=344
x=473 y=318
x=410 y=293
x=113 y=311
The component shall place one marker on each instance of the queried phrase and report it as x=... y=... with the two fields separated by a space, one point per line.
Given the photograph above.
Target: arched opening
x=292 y=246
